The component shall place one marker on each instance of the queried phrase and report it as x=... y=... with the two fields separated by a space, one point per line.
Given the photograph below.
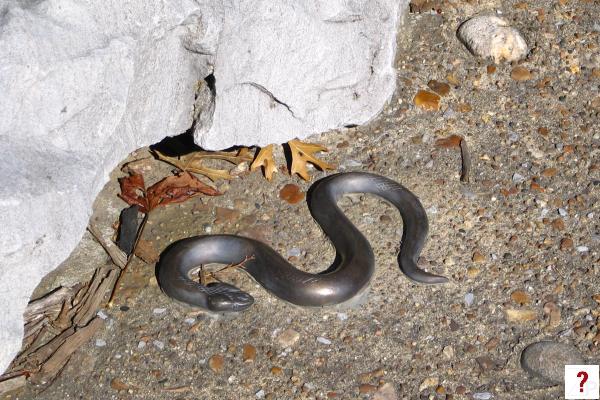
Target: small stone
x=547 y=360
x=249 y=353
x=141 y=344
x=102 y=314
x=224 y=215
x=490 y=36
x=427 y=100
x=294 y=252
x=582 y=249
x=566 y=244
x=215 y=363
x=473 y=272
x=486 y=363
x=482 y=396
x=118 y=384
x=478 y=257
x=520 y=73
x=323 y=340
x=558 y=224
x=554 y=315
x=276 y=371
x=440 y=88
x=431 y=381
x=342 y=316
x=562 y=212
x=520 y=297
x=158 y=311
x=448 y=352
x=158 y=344
x=291 y=193
x=260 y=394
x=366 y=388
x=288 y=338
x=469 y=298
x=386 y=392
x=100 y=342
x=549 y=172
x=518 y=178
x=490 y=69
x=463 y=107
x=520 y=315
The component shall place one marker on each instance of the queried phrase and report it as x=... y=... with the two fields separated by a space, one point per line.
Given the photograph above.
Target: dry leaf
x=172 y=189
x=291 y=193
x=265 y=159
x=133 y=191
x=303 y=153
x=177 y=189
x=193 y=162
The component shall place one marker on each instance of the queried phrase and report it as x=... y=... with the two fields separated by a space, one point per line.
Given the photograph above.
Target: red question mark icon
x=584 y=376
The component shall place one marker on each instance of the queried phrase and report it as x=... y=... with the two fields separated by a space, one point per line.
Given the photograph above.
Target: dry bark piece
x=12 y=384
x=118 y=257
x=291 y=193
x=427 y=100
x=93 y=302
x=57 y=361
x=303 y=153
x=265 y=159
x=520 y=315
x=249 y=353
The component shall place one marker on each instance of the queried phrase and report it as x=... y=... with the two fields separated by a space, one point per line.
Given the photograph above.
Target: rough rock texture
x=81 y=85
x=84 y=83
x=329 y=65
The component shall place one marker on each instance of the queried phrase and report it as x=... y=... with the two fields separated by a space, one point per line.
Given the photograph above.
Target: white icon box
x=582 y=382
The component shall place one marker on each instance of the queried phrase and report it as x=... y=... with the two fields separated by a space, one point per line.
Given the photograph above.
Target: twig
x=466 y=161
x=60 y=357
x=124 y=269
x=117 y=255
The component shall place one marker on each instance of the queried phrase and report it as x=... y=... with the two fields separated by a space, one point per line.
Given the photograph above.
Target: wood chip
x=60 y=357
x=12 y=384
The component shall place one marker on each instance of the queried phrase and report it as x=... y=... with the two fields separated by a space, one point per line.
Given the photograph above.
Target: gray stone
x=547 y=360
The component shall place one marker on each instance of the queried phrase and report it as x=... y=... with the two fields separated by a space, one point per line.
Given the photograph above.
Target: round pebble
x=547 y=360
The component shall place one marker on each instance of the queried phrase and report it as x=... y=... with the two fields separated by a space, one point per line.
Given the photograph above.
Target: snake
x=348 y=276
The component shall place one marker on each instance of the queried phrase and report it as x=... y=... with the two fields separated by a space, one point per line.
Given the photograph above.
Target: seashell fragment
x=490 y=36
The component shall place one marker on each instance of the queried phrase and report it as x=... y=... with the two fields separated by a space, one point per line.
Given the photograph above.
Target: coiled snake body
x=346 y=278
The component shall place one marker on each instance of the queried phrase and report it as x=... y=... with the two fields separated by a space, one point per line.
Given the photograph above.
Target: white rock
x=323 y=340
x=82 y=84
x=489 y=36
x=294 y=68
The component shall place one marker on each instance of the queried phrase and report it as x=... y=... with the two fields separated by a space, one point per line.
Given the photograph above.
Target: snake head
x=224 y=297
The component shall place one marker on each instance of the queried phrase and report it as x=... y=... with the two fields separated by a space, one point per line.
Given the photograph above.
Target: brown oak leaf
x=303 y=153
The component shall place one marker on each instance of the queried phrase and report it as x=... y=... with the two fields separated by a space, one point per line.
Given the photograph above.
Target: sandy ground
x=527 y=222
